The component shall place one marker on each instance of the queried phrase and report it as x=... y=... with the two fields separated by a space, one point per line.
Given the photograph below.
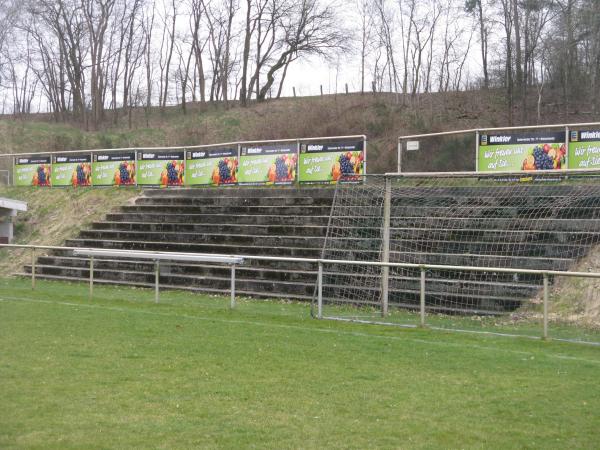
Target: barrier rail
x=161 y=256
x=479 y=131
x=319 y=262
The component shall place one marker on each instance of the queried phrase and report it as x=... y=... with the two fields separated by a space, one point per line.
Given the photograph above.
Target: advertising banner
x=72 y=170
x=160 y=168
x=268 y=164
x=584 y=149
x=214 y=167
x=113 y=169
x=32 y=171
x=521 y=151
x=331 y=162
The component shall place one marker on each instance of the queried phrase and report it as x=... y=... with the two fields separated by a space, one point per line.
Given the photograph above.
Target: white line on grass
x=301 y=328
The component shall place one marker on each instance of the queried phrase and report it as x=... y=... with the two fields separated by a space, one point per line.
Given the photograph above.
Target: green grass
x=524 y=322
x=120 y=371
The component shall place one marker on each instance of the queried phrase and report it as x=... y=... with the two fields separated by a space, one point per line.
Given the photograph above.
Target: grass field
x=121 y=371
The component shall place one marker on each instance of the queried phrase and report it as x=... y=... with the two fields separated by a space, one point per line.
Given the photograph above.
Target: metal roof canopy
x=17 y=205
x=156 y=256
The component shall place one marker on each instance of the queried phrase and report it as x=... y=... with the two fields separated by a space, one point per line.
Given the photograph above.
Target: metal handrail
x=475 y=130
x=342 y=261
x=322 y=261
x=473 y=174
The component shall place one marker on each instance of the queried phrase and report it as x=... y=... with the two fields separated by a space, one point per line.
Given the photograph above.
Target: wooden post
x=346 y=88
x=321 y=90
x=294 y=89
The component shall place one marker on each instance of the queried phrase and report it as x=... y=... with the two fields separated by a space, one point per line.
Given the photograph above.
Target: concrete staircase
x=459 y=226
x=252 y=221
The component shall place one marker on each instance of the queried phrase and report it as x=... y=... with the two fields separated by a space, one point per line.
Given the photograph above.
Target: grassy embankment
x=381 y=117
x=55 y=215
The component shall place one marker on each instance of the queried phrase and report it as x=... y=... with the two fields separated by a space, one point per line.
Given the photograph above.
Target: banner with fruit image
x=214 y=166
x=72 y=170
x=160 y=168
x=113 y=169
x=523 y=151
x=331 y=162
x=32 y=171
x=584 y=149
x=268 y=164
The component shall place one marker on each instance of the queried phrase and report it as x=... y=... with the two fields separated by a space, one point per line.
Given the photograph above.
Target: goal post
x=542 y=221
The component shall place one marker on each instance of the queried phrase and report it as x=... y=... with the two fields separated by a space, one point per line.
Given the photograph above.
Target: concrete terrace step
x=234 y=201
x=526 y=201
x=495 y=235
x=265 y=268
x=492 y=212
x=243 y=229
x=243 y=191
x=230 y=249
x=247 y=269
x=257 y=219
x=557 y=224
x=205 y=238
x=455 y=259
x=249 y=210
x=446 y=190
x=254 y=263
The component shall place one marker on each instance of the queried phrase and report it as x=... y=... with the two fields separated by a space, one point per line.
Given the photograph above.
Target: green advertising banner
x=160 y=168
x=342 y=162
x=214 y=167
x=522 y=151
x=72 y=170
x=584 y=149
x=113 y=169
x=268 y=164
x=32 y=171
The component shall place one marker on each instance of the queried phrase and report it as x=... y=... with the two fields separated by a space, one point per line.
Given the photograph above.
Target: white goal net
x=542 y=223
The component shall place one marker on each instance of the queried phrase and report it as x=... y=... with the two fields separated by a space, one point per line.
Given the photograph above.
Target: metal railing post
x=91 y=277
x=476 y=150
x=320 y=291
x=385 y=257
x=33 y=268
x=545 y=332
x=422 y=306
x=156 y=277
x=399 y=167
x=232 y=304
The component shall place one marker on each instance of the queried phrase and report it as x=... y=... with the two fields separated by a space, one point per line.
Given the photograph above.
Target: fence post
x=156 y=276
x=476 y=150
x=33 y=268
x=232 y=304
x=422 y=297
x=91 y=276
x=385 y=273
x=320 y=291
x=545 y=332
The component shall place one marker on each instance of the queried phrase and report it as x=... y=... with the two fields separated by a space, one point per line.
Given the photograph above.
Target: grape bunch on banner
x=512 y=152
x=269 y=164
